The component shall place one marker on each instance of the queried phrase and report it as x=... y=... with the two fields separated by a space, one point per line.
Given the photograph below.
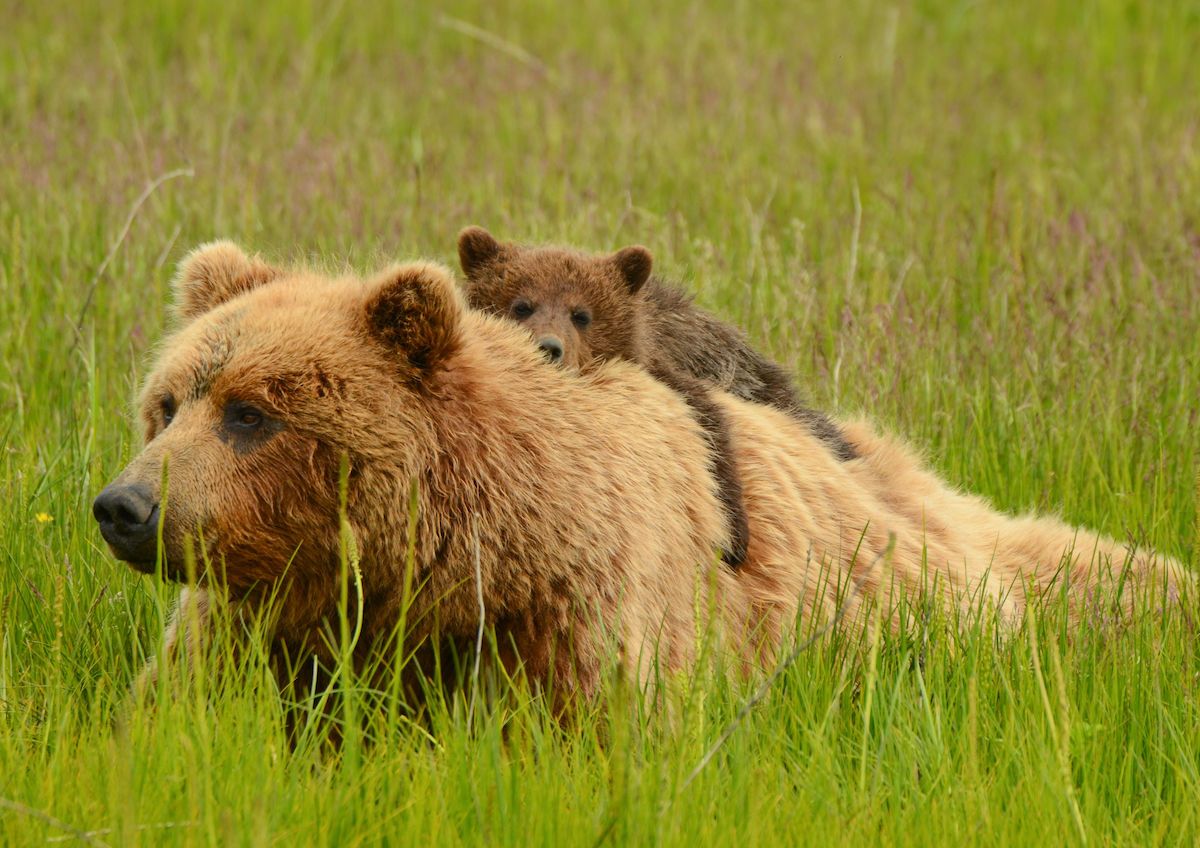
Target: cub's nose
x=128 y=518
x=552 y=347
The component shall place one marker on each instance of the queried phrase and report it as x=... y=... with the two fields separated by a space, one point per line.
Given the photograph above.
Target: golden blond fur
x=942 y=541
x=585 y=503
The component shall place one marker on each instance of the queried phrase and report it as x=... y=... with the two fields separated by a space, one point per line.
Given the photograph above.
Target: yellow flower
x=43 y=517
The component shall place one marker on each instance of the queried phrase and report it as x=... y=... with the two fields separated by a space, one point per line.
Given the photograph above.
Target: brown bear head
x=270 y=379
x=579 y=308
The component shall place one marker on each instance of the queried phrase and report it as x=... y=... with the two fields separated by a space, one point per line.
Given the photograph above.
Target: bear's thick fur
x=583 y=502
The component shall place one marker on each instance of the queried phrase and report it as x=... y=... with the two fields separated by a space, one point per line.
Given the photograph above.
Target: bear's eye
x=522 y=309
x=168 y=410
x=246 y=427
x=242 y=416
x=581 y=318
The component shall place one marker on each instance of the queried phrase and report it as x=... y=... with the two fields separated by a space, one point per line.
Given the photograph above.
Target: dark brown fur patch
x=708 y=348
x=724 y=466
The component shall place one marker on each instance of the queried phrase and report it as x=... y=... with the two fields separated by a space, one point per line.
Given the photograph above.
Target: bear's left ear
x=415 y=310
x=634 y=263
x=214 y=273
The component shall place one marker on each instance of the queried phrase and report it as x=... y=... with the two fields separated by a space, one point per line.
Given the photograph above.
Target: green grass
x=978 y=223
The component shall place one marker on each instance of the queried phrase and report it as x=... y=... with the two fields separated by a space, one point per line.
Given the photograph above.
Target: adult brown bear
x=580 y=506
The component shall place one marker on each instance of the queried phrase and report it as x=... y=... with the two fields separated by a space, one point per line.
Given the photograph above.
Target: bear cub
x=582 y=308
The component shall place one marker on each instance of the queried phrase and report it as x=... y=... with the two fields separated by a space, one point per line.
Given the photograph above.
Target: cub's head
x=271 y=377
x=579 y=308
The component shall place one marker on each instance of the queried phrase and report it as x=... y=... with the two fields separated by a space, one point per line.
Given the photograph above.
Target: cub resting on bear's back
x=583 y=309
x=583 y=500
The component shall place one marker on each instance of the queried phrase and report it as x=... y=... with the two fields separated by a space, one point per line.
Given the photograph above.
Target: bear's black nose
x=552 y=347
x=128 y=517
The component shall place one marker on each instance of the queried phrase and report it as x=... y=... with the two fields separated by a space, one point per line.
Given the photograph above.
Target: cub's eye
x=522 y=309
x=168 y=410
x=581 y=318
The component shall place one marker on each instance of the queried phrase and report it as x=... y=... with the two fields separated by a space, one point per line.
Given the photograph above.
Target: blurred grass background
x=977 y=223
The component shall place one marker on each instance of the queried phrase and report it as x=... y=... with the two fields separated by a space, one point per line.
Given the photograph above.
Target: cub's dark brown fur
x=719 y=353
x=582 y=308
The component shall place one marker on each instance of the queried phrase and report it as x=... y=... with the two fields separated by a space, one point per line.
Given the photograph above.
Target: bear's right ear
x=476 y=248
x=634 y=263
x=214 y=273
x=415 y=310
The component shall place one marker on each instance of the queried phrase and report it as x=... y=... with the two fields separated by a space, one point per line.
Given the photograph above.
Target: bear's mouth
x=170 y=570
x=144 y=558
x=148 y=565
x=144 y=566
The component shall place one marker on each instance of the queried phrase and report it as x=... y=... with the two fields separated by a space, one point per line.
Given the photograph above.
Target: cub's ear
x=476 y=248
x=634 y=263
x=214 y=273
x=415 y=310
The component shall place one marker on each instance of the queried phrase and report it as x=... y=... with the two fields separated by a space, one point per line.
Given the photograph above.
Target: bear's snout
x=552 y=347
x=128 y=518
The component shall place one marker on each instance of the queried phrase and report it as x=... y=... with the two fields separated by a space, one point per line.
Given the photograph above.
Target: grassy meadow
x=977 y=223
